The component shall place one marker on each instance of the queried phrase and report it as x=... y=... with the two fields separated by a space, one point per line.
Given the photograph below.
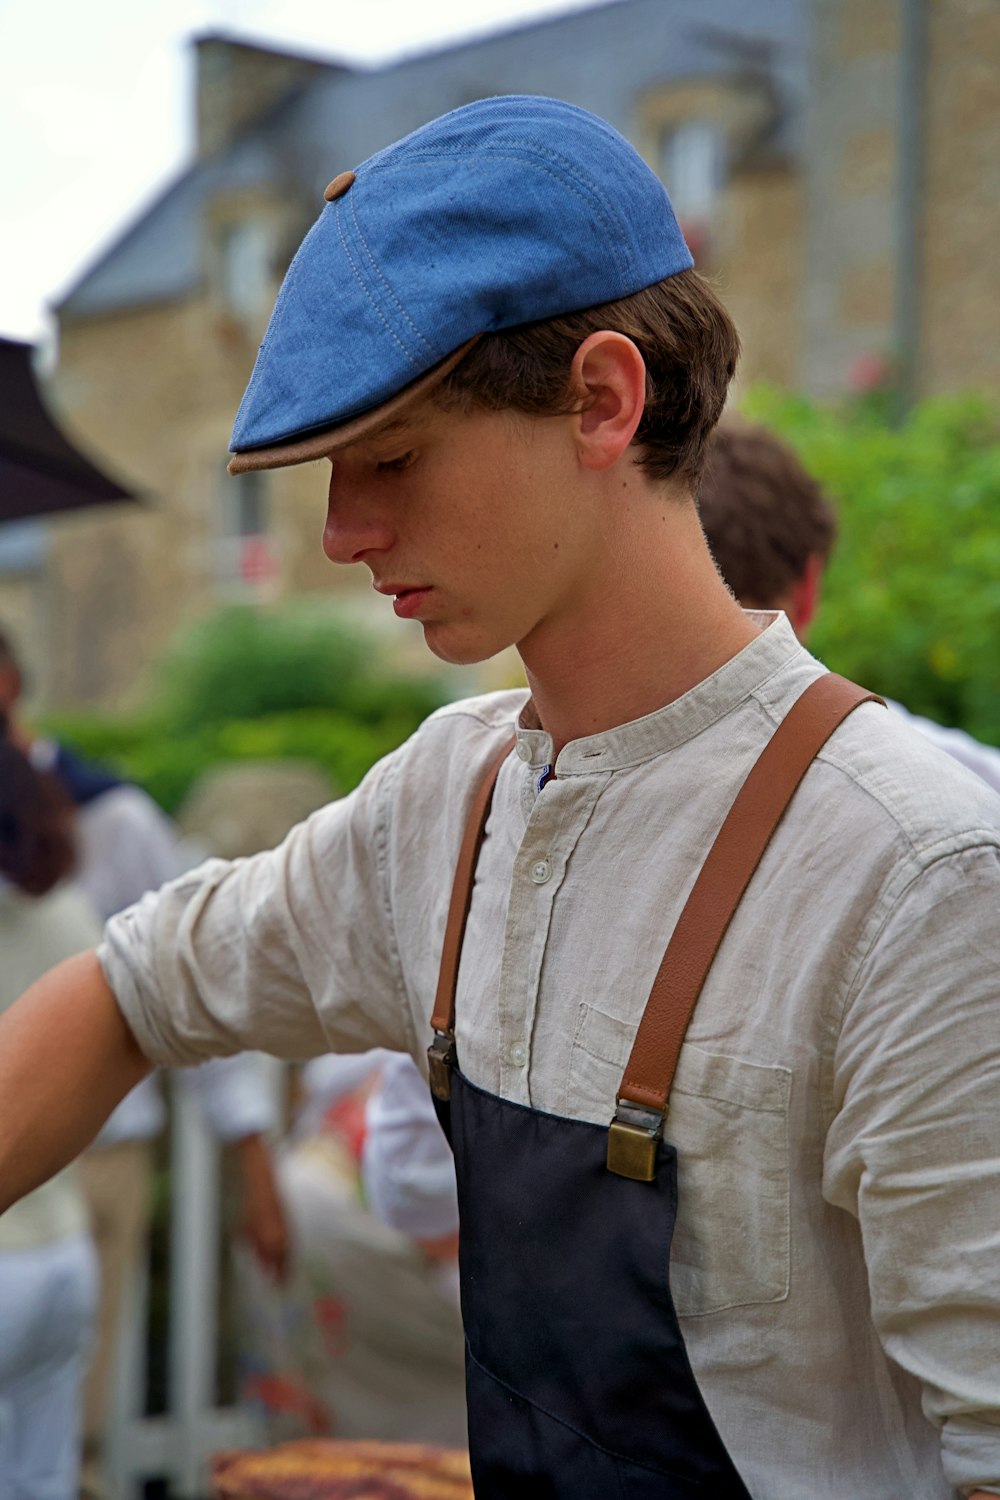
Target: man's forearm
x=263 y=1218
x=67 y=1057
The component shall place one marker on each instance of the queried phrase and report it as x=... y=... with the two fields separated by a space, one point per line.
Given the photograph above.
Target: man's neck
x=670 y=624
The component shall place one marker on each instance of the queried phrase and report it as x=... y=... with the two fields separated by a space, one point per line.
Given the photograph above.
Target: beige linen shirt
x=837 y=1257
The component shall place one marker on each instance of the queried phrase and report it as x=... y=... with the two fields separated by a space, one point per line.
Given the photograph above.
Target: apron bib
x=578 y=1381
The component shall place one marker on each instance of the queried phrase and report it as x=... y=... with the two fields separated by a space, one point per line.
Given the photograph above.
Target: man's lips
x=408 y=598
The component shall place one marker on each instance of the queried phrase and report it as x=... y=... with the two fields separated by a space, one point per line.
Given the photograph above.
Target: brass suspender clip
x=441 y=1060
x=632 y=1140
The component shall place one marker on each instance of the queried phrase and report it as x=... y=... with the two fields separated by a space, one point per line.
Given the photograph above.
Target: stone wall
x=850 y=190
x=237 y=83
x=861 y=232
x=960 y=344
x=759 y=271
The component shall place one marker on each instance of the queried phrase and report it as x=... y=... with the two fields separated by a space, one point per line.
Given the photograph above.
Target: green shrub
x=911 y=601
x=249 y=686
x=245 y=662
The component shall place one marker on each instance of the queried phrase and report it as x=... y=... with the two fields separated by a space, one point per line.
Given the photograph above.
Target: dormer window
x=247 y=252
x=246 y=556
x=696 y=133
x=692 y=166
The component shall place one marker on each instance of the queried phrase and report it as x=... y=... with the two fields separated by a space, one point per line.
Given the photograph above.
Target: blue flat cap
x=500 y=213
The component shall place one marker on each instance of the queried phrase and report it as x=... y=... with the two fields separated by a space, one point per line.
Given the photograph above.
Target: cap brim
x=303 y=450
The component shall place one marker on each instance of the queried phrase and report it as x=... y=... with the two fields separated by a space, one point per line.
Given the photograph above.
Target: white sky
x=96 y=110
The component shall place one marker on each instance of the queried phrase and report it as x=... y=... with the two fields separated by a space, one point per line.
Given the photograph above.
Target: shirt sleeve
x=913 y=1151
x=291 y=952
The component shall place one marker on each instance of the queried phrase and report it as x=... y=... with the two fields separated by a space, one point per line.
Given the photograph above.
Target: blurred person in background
x=364 y=1340
x=408 y=1167
x=771 y=530
x=125 y=847
x=48 y=1265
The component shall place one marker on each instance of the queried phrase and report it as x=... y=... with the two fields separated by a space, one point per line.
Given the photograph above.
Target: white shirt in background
x=408 y=1168
x=982 y=759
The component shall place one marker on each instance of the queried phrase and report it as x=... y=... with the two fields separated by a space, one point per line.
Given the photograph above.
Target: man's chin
x=458 y=648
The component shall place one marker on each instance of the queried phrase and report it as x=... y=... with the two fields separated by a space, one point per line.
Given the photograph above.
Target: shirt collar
x=642 y=739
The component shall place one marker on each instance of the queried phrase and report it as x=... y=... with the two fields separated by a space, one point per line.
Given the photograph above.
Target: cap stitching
x=284 y=293
x=368 y=296
x=379 y=273
x=580 y=188
x=252 y=383
x=525 y=157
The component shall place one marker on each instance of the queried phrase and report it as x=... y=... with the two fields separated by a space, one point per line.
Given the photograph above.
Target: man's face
x=480 y=526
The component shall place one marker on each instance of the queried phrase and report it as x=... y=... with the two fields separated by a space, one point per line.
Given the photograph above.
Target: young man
x=832 y=1257
x=771 y=530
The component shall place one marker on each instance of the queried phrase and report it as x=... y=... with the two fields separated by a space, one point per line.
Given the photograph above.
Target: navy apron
x=578 y=1380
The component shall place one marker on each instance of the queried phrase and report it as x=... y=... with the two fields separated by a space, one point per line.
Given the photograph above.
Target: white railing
x=177 y=1445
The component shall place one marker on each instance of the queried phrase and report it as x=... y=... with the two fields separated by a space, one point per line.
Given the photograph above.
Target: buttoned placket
x=556 y=816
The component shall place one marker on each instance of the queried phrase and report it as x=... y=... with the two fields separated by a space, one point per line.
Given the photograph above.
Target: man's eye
x=394 y=465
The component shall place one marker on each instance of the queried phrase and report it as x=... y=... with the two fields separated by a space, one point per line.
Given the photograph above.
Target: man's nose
x=355 y=528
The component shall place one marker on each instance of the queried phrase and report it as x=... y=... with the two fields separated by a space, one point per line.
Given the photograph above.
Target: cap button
x=338 y=187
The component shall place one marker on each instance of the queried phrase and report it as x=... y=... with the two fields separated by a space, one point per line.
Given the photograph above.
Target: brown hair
x=763 y=514
x=36 y=824
x=682 y=331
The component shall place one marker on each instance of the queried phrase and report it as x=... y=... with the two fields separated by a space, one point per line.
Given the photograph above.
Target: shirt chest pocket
x=729 y=1122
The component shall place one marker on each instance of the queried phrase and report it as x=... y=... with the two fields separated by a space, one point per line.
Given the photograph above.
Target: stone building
x=833 y=161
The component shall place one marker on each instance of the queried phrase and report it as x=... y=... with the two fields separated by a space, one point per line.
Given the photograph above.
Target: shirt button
x=518 y=1056
x=522 y=751
x=540 y=871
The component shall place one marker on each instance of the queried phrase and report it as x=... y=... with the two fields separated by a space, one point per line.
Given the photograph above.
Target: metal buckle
x=441 y=1060
x=632 y=1140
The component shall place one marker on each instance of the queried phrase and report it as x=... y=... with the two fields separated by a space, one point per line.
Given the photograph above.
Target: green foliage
x=244 y=663
x=911 y=600
x=248 y=685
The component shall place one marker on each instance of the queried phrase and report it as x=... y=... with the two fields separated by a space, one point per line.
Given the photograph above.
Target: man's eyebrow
x=393 y=428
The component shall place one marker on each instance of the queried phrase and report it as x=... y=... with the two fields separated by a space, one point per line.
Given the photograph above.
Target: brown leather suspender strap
x=725 y=875
x=722 y=880
x=441 y=1053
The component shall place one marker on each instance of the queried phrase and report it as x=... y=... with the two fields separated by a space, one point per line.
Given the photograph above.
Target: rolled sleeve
x=291 y=952
x=914 y=1149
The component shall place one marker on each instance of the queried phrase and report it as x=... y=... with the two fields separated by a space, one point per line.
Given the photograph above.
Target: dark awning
x=40 y=469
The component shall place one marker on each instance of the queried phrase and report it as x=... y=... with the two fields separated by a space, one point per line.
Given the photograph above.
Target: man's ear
x=10 y=687
x=608 y=377
x=804 y=596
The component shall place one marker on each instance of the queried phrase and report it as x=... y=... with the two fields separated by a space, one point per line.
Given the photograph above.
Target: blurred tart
x=325 y=1469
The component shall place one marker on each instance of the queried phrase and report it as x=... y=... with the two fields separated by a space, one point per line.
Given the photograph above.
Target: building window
x=247 y=269
x=247 y=560
x=692 y=163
